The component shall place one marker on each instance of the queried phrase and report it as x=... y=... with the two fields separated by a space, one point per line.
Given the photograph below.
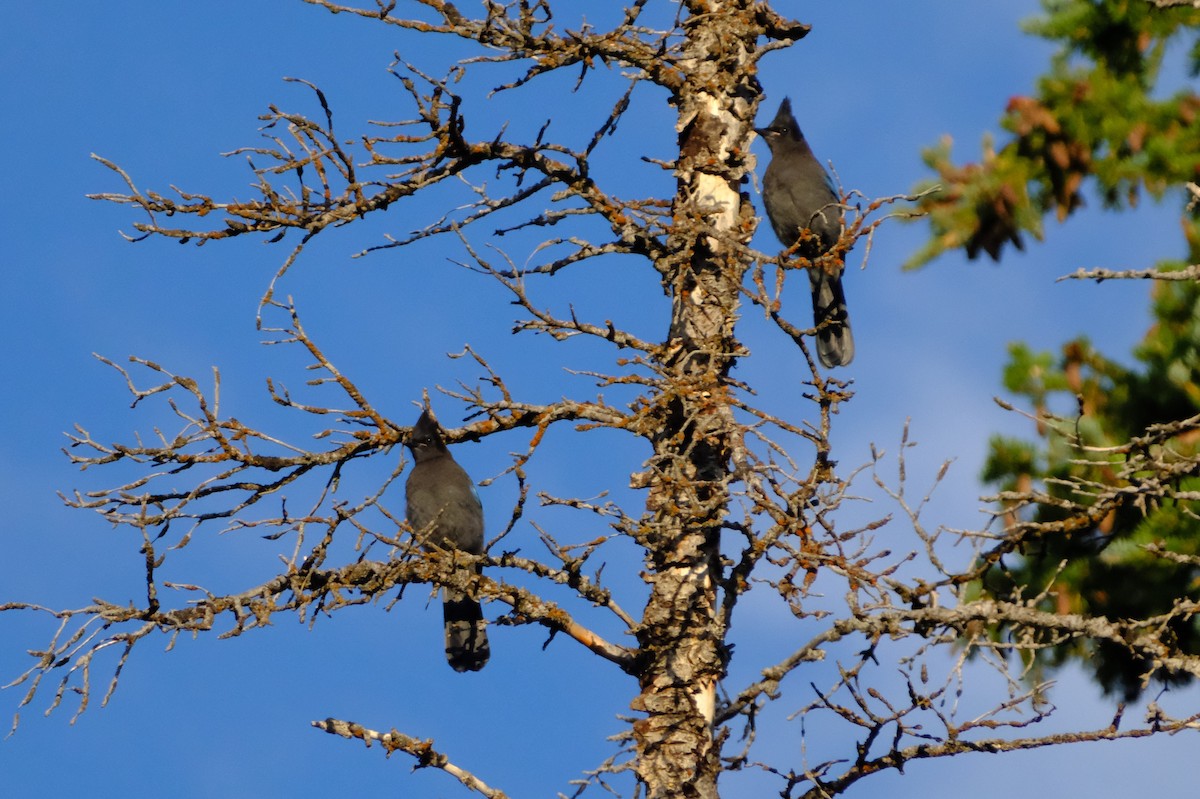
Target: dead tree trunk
x=682 y=636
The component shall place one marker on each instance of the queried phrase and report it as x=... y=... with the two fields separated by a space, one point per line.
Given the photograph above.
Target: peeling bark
x=682 y=634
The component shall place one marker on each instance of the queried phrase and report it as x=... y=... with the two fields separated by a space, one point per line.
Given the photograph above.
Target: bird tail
x=835 y=344
x=467 y=646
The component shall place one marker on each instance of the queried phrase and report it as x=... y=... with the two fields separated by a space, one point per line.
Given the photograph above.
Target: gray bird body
x=445 y=513
x=799 y=197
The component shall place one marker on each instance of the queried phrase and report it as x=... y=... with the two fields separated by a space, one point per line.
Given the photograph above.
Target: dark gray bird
x=445 y=512
x=800 y=197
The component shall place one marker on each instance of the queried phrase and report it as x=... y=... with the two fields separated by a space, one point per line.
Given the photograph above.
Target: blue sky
x=163 y=87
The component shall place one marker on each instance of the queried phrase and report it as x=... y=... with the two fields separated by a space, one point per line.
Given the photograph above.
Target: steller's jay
x=445 y=513
x=800 y=197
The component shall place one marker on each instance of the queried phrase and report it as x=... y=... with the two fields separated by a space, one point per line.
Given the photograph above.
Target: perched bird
x=445 y=513
x=800 y=197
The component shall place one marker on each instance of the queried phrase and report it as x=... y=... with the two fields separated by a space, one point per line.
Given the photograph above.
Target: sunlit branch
x=423 y=751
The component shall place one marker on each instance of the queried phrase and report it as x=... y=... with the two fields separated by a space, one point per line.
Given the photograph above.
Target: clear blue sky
x=162 y=88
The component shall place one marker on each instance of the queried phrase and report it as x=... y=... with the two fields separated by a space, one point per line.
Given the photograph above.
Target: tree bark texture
x=682 y=635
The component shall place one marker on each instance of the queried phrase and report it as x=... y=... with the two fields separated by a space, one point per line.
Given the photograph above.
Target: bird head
x=425 y=440
x=783 y=127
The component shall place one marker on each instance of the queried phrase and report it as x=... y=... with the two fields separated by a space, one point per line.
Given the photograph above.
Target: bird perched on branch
x=445 y=513
x=805 y=212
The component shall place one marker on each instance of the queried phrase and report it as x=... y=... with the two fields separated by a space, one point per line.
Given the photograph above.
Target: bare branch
x=423 y=751
x=1189 y=273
